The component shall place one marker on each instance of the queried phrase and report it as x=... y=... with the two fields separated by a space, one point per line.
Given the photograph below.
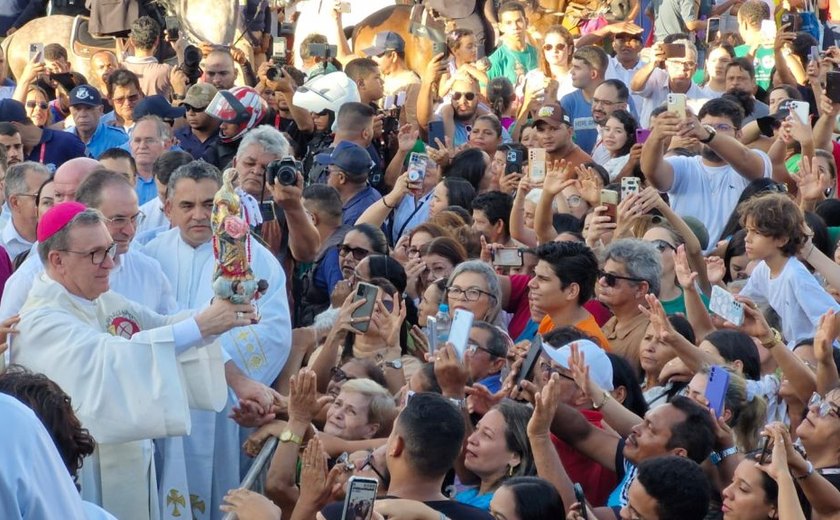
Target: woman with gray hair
x=474 y=286
x=631 y=270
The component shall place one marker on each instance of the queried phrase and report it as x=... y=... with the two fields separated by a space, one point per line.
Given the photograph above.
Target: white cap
x=327 y=92
x=600 y=366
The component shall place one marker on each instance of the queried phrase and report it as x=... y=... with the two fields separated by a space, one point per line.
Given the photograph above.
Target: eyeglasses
x=338 y=375
x=548 y=369
x=358 y=252
x=470 y=294
x=549 y=47
x=33 y=195
x=472 y=348
x=574 y=201
x=367 y=462
x=608 y=104
x=469 y=96
x=96 y=257
x=413 y=252
x=42 y=105
x=612 y=279
x=128 y=99
x=663 y=245
x=823 y=407
x=124 y=221
x=681 y=64
x=194 y=109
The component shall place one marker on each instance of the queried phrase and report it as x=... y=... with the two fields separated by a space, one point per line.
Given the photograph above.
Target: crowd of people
x=630 y=212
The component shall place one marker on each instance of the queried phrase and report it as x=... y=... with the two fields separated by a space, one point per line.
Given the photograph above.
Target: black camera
x=190 y=65
x=283 y=171
x=272 y=73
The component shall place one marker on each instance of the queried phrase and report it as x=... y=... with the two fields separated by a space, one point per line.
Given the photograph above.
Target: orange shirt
x=587 y=325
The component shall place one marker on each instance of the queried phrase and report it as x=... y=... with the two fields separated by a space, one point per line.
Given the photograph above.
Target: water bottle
x=442 y=325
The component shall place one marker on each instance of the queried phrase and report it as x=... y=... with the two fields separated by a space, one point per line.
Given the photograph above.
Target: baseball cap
x=157 y=105
x=348 y=156
x=552 y=114
x=600 y=366
x=699 y=230
x=384 y=42
x=12 y=110
x=57 y=217
x=85 y=95
x=200 y=95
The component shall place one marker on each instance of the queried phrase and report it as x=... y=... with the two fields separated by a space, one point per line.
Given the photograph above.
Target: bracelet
x=386 y=204
x=604 y=400
x=808 y=472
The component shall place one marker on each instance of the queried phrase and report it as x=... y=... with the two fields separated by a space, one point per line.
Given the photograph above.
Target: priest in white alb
x=133 y=374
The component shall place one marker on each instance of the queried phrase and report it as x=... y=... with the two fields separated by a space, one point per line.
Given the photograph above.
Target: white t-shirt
x=615 y=70
x=708 y=193
x=795 y=295
x=656 y=93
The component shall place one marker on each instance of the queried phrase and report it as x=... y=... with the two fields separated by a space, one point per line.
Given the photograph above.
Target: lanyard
x=43 y=152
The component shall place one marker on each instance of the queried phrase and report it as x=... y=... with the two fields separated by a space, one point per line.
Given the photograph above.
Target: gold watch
x=288 y=436
x=775 y=338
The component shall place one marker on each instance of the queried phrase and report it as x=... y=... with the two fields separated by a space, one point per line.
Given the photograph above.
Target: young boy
x=775 y=233
x=515 y=52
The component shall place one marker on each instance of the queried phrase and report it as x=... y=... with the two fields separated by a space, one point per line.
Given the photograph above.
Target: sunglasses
x=549 y=47
x=42 y=105
x=194 y=109
x=358 y=252
x=469 y=96
x=612 y=279
x=338 y=375
x=663 y=245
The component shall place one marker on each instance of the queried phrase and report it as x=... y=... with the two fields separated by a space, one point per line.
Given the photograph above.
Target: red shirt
x=518 y=304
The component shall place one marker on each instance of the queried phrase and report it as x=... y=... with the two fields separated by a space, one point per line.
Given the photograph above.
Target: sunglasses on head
x=43 y=105
x=469 y=96
x=558 y=46
x=612 y=279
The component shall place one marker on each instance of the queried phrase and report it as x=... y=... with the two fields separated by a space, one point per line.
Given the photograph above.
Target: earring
x=511 y=470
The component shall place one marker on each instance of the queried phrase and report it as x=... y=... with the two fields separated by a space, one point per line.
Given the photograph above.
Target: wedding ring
x=239 y=315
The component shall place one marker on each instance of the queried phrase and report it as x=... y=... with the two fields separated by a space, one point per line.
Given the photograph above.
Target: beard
x=463 y=116
x=710 y=155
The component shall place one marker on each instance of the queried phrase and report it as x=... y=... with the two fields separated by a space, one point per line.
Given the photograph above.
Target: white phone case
x=459 y=331
x=724 y=305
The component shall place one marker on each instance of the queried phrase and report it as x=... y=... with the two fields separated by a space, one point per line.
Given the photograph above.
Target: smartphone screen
x=369 y=293
x=507 y=257
x=716 y=389
x=459 y=332
x=361 y=494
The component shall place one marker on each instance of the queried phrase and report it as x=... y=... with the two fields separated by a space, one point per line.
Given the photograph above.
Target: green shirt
x=503 y=61
x=764 y=61
x=677 y=305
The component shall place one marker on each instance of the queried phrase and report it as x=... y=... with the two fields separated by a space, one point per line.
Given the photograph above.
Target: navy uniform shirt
x=56 y=148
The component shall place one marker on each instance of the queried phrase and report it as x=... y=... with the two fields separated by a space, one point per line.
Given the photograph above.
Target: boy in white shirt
x=775 y=233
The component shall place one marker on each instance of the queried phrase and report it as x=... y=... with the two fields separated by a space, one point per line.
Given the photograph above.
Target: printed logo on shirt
x=123 y=324
x=585 y=123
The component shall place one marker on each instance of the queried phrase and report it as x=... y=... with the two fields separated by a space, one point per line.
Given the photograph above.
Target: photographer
x=315 y=55
x=277 y=87
x=155 y=78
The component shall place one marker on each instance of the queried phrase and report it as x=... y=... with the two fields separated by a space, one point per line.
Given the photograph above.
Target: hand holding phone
x=724 y=304
x=368 y=293
x=507 y=257
x=581 y=499
x=609 y=198
x=459 y=331
x=531 y=360
x=676 y=104
x=361 y=494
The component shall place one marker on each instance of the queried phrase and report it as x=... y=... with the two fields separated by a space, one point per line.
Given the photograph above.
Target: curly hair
x=775 y=215
x=54 y=410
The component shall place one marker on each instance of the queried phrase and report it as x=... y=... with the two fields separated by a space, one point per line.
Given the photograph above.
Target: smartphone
x=642 y=135
x=629 y=186
x=814 y=55
x=514 y=159
x=431 y=333
x=712 y=29
x=367 y=292
x=801 y=109
x=536 y=164
x=581 y=499
x=400 y=98
x=768 y=30
x=440 y=48
x=531 y=360
x=724 y=304
x=344 y=7
x=832 y=86
x=507 y=257
x=388 y=102
x=417 y=167
x=791 y=22
x=358 y=503
x=676 y=104
x=436 y=132
x=36 y=52
x=716 y=389
x=674 y=50
x=65 y=79
x=765 y=446
x=609 y=198
x=173 y=27
x=459 y=331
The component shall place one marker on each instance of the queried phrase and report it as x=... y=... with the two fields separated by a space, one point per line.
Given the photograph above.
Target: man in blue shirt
x=202 y=130
x=348 y=167
x=86 y=108
x=51 y=148
x=589 y=64
x=487 y=355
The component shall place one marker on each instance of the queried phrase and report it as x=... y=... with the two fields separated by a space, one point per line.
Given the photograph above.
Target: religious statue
x=233 y=279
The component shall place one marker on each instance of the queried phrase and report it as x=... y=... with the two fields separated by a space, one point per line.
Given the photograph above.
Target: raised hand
x=545 y=404
x=580 y=372
x=302 y=396
x=827 y=331
x=715 y=269
x=317 y=486
x=656 y=314
x=685 y=276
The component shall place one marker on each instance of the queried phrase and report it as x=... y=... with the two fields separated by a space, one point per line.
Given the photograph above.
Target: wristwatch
x=775 y=337
x=712 y=134
x=717 y=457
x=395 y=364
x=288 y=436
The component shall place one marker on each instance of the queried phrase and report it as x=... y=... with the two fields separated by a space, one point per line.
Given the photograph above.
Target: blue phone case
x=716 y=389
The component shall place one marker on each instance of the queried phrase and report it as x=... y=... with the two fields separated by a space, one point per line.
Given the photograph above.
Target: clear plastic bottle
x=443 y=324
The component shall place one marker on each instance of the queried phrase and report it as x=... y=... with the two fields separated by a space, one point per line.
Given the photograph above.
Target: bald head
x=220 y=70
x=69 y=175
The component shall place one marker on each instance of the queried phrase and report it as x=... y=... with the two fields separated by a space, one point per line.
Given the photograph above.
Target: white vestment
x=153 y=216
x=125 y=391
x=212 y=451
